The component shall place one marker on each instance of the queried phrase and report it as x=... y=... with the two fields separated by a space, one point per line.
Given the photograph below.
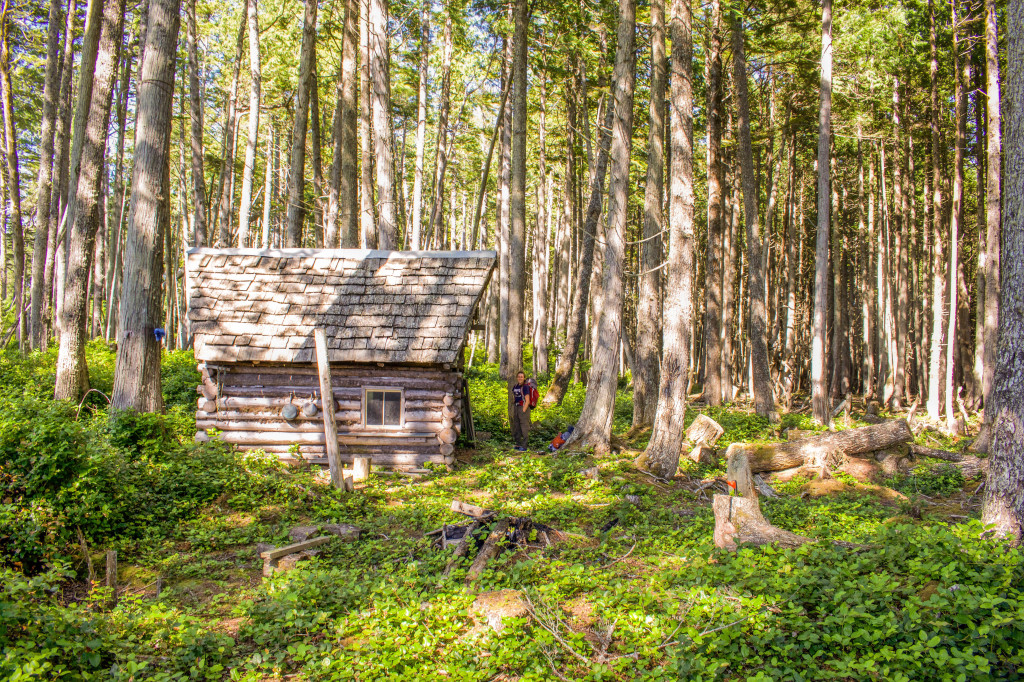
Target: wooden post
x=327 y=402
x=112 y=575
x=360 y=468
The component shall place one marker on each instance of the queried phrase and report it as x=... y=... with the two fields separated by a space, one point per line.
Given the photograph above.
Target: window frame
x=401 y=407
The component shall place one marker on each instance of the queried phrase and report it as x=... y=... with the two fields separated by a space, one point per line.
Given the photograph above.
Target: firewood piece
x=470 y=510
x=461 y=549
x=488 y=551
x=330 y=425
x=704 y=431
x=702 y=454
x=360 y=468
x=111 y=581
x=923 y=451
x=271 y=557
x=763 y=488
x=739 y=520
x=778 y=456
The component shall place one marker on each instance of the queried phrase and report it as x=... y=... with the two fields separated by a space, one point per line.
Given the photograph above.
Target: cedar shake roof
x=253 y=305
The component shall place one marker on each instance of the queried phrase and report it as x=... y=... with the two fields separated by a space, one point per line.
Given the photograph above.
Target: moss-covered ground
x=637 y=590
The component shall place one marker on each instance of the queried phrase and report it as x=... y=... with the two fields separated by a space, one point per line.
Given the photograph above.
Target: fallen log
x=470 y=510
x=924 y=451
x=779 y=456
x=488 y=551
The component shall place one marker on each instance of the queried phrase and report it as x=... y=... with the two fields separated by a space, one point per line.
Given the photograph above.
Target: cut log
x=446 y=449
x=702 y=454
x=779 y=456
x=490 y=550
x=448 y=436
x=738 y=520
x=922 y=451
x=449 y=399
x=462 y=548
x=471 y=510
x=704 y=431
x=360 y=468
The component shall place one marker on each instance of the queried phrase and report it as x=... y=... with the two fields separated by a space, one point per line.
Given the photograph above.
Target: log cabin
x=395 y=325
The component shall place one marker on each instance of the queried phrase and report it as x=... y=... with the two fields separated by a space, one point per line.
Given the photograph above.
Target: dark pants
x=520 y=425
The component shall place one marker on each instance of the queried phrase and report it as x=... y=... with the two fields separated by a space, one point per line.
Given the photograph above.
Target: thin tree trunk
x=541 y=250
x=227 y=164
x=421 y=128
x=713 y=268
x=938 y=277
x=348 y=185
x=581 y=291
x=662 y=454
x=504 y=218
x=44 y=182
x=196 y=112
x=254 y=125
x=993 y=193
x=137 y=374
x=13 y=176
x=316 y=158
x=956 y=216
x=441 y=153
x=387 y=232
x=764 y=402
x=72 y=374
x=901 y=236
x=646 y=370
x=297 y=165
x=516 y=233
x=821 y=410
x=367 y=220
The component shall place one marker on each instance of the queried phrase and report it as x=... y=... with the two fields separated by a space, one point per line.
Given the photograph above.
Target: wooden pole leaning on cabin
x=327 y=404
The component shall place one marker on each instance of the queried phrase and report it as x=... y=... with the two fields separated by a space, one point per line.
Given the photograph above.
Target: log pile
x=489 y=536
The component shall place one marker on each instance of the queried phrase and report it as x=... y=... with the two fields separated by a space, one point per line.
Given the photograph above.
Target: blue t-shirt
x=520 y=393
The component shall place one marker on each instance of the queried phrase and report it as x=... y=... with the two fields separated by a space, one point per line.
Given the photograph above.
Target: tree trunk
x=254 y=125
x=367 y=221
x=137 y=374
x=938 y=278
x=227 y=164
x=62 y=144
x=646 y=374
x=713 y=268
x=764 y=402
x=297 y=170
x=581 y=291
x=662 y=454
x=541 y=251
x=594 y=425
x=1004 y=493
x=348 y=185
x=818 y=352
x=72 y=374
x=956 y=215
x=516 y=244
x=993 y=193
x=316 y=151
x=441 y=153
x=421 y=129
x=504 y=218
x=901 y=237
x=380 y=87
x=44 y=182
x=196 y=113
x=13 y=176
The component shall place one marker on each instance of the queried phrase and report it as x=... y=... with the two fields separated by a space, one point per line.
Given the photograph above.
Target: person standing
x=521 y=412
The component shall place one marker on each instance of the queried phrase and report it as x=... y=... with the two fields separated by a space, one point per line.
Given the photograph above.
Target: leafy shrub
x=943 y=480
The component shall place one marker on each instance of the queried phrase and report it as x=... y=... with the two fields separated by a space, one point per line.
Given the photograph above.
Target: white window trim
x=401 y=407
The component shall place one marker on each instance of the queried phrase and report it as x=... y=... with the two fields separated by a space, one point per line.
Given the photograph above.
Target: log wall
x=245 y=401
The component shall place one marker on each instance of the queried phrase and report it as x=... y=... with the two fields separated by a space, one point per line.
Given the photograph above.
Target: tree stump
x=702 y=454
x=738 y=520
x=360 y=468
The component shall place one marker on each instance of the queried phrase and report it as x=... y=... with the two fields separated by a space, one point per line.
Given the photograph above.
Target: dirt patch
x=492 y=608
x=581 y=612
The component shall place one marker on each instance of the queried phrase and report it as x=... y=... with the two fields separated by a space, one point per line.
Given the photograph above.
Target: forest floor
x=634 y=590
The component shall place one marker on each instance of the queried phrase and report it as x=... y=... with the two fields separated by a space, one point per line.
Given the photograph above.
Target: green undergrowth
x=634 y=590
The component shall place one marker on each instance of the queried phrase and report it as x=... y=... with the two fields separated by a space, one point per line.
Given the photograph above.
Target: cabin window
x=382 y=407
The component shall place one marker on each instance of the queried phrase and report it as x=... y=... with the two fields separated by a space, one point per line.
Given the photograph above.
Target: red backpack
x=534 y=393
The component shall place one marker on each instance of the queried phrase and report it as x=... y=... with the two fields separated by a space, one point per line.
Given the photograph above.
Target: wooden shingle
x=251 y=305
